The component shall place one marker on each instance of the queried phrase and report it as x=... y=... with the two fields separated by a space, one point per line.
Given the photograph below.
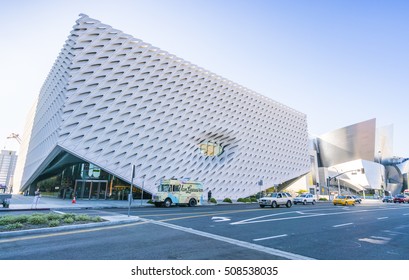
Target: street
x=230 y=232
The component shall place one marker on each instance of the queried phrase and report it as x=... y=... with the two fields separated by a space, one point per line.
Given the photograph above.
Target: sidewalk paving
x=20 y=202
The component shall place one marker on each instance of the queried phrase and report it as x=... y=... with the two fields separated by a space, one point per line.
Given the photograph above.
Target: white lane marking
x=220 y=219
x=342 y=225
x=252 y=220
x=376 y=240
x=261 y=220
x=235 y=242
x=58 y=212
x=406 y=214
x=270 y=237
x=383 y=218
x=381 y=237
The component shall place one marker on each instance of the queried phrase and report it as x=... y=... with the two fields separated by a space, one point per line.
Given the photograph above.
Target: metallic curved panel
x=347 y=144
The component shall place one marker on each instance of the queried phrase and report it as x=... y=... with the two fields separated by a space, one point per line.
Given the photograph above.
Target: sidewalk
x=20 y=202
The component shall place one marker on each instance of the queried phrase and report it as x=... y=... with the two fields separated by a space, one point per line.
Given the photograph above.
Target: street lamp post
x=362 y=170
x=335 y=177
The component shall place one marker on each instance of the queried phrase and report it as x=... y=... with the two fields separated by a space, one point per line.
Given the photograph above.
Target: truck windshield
x=164 y=188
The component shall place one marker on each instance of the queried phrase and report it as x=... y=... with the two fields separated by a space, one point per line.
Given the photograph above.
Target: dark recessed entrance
x=91 y=189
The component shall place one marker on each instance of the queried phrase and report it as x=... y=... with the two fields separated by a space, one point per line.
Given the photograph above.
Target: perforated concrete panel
x=114 y=101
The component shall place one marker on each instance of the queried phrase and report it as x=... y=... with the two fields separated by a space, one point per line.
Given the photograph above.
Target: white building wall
x=114 y=101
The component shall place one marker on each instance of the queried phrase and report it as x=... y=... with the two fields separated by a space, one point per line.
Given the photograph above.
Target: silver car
x=304 y=199
x=276 y=199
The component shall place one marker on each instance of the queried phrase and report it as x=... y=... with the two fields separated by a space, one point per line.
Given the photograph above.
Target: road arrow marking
x=220 y=219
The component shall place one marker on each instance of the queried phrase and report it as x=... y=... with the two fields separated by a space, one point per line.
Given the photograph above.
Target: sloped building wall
x=115 y=101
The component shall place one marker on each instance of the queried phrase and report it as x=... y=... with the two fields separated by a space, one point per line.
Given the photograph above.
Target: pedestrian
x=209 y=196
x=37 y=195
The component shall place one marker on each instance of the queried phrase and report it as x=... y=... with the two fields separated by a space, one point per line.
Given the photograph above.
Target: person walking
x=37 y=196
x=209 y=196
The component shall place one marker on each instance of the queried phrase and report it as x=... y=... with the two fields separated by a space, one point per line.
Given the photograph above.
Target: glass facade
x=86 y=181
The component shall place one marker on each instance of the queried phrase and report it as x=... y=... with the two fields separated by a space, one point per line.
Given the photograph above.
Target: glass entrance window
x=90 y=189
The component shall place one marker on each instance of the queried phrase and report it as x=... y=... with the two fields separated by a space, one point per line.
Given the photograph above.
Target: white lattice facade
x=113 y=100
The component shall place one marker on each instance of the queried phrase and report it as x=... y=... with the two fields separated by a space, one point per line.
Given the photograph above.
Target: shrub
x=22 y=218
x=7 y=220
x=82 y=218
x=253 y=199
x=37 y=220
x=245 y=200
x=213 y=200
x=14 y=226
x=68 y=220
x=96 y=219
x=227 y=200
x=323 y=199
x=150 y=201
x=54 y=223
x=53 y=216
x=68 y=215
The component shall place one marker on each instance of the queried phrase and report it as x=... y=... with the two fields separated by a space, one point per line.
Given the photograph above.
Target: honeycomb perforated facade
x=113 y=100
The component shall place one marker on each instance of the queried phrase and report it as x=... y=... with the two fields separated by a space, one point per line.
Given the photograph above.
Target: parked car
x=358 y=199
x=387 y=199
x=401 y=198
x=276 y=199
x=344 y=200
x=305 y=198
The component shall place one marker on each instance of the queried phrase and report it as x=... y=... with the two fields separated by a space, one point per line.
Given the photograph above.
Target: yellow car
x=344 y=200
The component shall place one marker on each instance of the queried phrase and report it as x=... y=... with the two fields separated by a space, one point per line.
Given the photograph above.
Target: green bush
x=96 y=219
x=37 y=220
x=14 y=226
x=5 y=220
x=53 y=216
x=22 y=218
x=323 y=199
x=227 y=200
x=253 y=199
x=82 y=218
x=54 y=223
x=213 y=200
x=245 y=200
x=68 y=215
x=150 y=201
x=68 y=220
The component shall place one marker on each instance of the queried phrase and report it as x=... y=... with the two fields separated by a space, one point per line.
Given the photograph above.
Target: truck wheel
x=167 y=203
x=274 y=204
x=288 y=204
x=192 y=202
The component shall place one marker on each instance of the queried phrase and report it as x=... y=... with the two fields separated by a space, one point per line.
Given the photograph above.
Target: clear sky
x=340 y=62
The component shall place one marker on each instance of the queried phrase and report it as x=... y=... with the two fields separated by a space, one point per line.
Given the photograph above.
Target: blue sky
x=339 y=62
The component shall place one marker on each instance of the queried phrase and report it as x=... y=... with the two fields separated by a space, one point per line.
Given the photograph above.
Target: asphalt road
x=233 y=232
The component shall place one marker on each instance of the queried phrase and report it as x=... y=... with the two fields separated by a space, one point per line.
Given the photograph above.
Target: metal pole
x=339 y=188
x=130 y=192
x=143 y=184
x=328 y=182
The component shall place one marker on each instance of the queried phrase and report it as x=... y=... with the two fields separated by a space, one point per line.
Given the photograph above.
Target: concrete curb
x=7 y=234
